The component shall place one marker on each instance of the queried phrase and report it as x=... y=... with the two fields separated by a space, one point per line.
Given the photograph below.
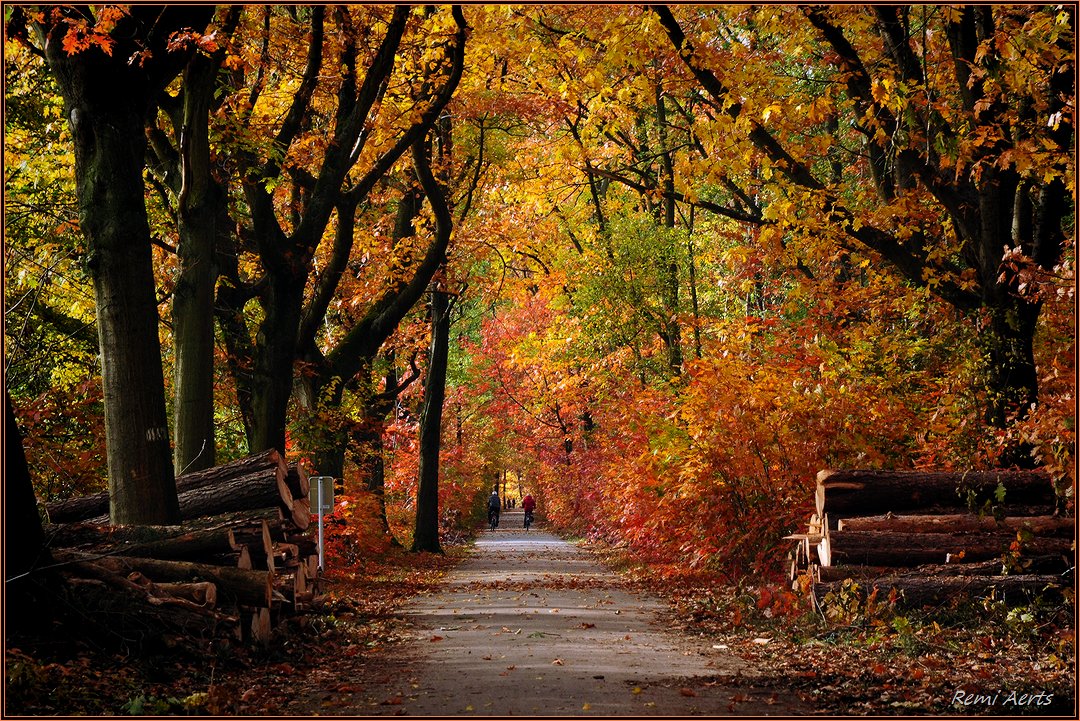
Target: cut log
x=1054 y=526
x=918 y=591
x=1044 y=565
x=194 y=545
x=260 y=628
x=236 y=495
x=267 y=463
x=236 y=584
x=865 y=492
x=77 y=509
x=872 y=548
x=301 y=513
x=298 y=481
x=201 y=593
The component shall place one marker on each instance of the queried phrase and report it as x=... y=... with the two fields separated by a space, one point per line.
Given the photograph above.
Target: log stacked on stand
x=238 y=563
x=912 y=535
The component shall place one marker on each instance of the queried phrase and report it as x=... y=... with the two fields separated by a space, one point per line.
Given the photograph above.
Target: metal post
x=321 y=485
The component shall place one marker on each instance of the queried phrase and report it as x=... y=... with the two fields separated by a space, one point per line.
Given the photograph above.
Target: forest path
x=532 y=625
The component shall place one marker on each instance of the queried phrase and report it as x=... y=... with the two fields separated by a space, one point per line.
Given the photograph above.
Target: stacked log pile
x=238 y=562
x=916 y=538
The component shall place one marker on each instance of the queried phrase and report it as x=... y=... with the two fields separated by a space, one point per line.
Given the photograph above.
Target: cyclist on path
x=494 y=507
x=528 y=504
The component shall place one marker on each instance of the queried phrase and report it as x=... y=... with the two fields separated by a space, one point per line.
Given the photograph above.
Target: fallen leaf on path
x=588 y=625
x=586 y=706
x=687 y=691
x=635 y=690
x=436 y=638
x=392 y=701
x=557 y=662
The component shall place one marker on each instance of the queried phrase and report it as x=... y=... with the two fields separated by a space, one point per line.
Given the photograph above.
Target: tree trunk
x=672 y=335
x=426 y=534
x=24 y=540
x=113 y=217
x=373 y=469
x=193 y=298
x=272 y=378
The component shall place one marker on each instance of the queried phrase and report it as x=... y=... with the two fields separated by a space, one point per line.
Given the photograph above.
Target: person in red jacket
x=528 y=504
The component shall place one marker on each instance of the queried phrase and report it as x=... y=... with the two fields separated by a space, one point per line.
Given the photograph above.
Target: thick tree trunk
x=24 y=540
x=426 y=533
x=109 y=150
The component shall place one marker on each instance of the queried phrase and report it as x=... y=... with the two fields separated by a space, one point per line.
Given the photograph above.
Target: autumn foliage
x=698 y=255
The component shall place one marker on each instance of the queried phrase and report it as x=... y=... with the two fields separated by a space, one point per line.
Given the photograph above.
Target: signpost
x=321 y=497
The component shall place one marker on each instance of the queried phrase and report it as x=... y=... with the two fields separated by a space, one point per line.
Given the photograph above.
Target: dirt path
x=531 y=625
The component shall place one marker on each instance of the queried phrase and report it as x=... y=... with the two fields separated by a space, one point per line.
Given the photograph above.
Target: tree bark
x=874 y=548
x=24 y=539
x=426 y=533
x=869 y=574
x=268 y=463
x=199 y=200
x=239 y=585
x=1053 y=526
x=917 y=591
x=864 y=492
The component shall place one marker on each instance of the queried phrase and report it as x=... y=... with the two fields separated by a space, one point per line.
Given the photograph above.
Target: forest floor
x=526 y=624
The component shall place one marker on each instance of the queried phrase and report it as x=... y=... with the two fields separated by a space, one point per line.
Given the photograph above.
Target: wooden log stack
x=929 y=538
x=240 y=560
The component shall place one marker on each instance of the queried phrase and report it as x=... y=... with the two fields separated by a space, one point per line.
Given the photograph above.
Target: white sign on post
x=321 y=498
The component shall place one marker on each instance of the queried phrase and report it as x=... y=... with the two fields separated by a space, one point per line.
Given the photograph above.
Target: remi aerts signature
x=1002 y=698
